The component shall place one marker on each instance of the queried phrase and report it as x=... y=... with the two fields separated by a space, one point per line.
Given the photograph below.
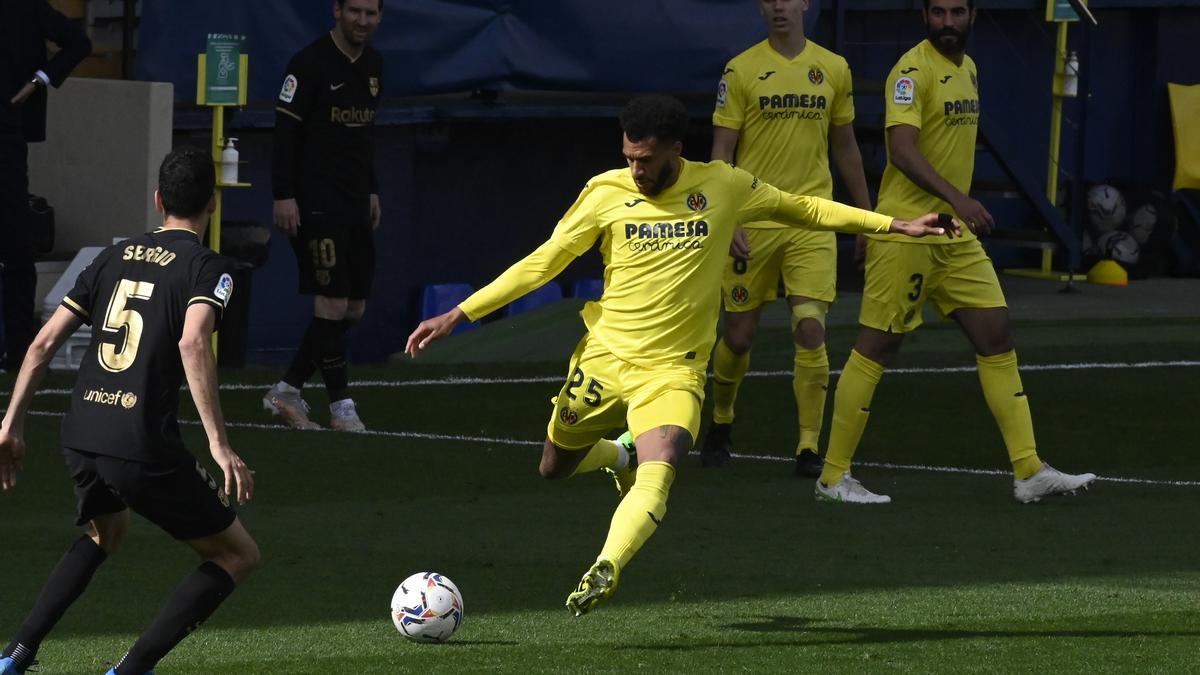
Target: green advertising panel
x=1060 y=10
x=223 y=78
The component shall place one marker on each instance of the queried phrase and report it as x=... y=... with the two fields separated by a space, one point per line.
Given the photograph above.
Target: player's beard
x=358 y=40
x=949 y=41
x=657 y=183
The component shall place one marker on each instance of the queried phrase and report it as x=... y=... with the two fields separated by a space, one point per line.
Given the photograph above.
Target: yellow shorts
x=603 y=393
x=900 y=277
x=807 y=261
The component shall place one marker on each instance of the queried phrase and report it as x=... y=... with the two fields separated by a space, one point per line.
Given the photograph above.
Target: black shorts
x=176 y=494
x=335 y=250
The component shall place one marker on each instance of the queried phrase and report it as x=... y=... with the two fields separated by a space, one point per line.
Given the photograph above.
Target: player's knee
x=738 y=343
x=355 y=310
x=740 y=329
x=878 y=346
x=549 y=467
x=240 y=560
x=109 y=531
x=808 y=323
x=996 y=344
x=250 y=557
x=809 y=334
x=334 y=309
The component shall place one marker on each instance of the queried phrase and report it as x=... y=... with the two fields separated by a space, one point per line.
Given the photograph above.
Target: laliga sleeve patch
x=903 y=91
x=722 y=90
x=224 y=289
x=290 y=83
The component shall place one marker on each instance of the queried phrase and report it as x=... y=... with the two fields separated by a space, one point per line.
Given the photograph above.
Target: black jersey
x=324 y=127
x=135 y=295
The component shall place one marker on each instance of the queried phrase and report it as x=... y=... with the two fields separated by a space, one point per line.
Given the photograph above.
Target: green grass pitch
x=748 y=572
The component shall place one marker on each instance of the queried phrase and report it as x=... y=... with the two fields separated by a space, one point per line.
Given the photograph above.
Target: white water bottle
x=229 y=162
x=1071 y=75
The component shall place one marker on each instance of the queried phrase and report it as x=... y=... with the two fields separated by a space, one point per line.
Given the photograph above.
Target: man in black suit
x=25 y=73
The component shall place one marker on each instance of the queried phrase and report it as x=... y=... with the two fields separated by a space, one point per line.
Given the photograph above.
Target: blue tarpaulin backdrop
x=439 y=46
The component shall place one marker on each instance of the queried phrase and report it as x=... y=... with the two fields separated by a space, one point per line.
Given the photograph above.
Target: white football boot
x=343 y=416
x=1049 y=482
x=285 y=401
x=850 y=491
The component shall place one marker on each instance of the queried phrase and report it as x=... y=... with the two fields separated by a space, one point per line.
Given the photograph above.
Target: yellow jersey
x=665 y=254
x=928 y=91
x=782 y=110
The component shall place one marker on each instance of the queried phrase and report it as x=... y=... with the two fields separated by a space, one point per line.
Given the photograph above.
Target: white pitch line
x=929 y=468
x=458 y=381
x=766 y=458
x=383 y=434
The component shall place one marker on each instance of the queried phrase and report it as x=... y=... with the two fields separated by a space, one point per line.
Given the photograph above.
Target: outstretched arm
x=12 y=433
x=199 y=364
x=531 y=273
x=814 y=213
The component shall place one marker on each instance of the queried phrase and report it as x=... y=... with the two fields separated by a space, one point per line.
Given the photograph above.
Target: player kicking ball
x=153 y=302
x=665 y=225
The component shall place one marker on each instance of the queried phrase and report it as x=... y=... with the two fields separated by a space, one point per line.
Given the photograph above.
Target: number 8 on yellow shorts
x=603 y=393
x=807 y=261
x=901 y=277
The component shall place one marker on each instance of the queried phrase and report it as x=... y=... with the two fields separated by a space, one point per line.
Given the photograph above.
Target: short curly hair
x=654 y=116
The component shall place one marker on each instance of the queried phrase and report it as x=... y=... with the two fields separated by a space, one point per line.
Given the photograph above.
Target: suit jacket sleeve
x=73 y=42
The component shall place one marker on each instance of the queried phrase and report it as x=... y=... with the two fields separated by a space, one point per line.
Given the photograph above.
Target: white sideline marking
x=455 y=380
x=766 y=458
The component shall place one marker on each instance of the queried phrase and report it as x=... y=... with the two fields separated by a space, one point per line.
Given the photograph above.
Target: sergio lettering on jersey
x=666 y=236
x=150 y=254
x=351 y=116
x=792 y=106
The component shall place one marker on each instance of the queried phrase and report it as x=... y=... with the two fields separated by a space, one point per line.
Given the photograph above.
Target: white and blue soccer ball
x=427 y=607
x=1106 y=208
x=1143 y=222
x=1120 y=246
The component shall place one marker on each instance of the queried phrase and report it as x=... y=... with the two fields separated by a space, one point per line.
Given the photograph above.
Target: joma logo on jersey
x=791 y=101
x=151 y=254
x=125 y=399
x=351 y=115
x=966 y=106
x=691 y=228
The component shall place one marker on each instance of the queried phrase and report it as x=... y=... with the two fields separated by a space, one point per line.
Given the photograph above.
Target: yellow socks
x=639 y=513
x=605 y=454
x=1001 y=382
x=851 y=408
x=810 y=383
x=728 y=371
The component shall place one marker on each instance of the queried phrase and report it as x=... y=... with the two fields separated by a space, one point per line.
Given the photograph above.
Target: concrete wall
x=99 y=165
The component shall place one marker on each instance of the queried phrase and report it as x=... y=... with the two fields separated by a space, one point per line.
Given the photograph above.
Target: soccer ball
x=1141 y=225
x=427 y=607
x=1106 y=208
x=1119 y=246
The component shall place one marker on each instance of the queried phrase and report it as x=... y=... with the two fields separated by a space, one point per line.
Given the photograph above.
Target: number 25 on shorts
x=592 y=396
